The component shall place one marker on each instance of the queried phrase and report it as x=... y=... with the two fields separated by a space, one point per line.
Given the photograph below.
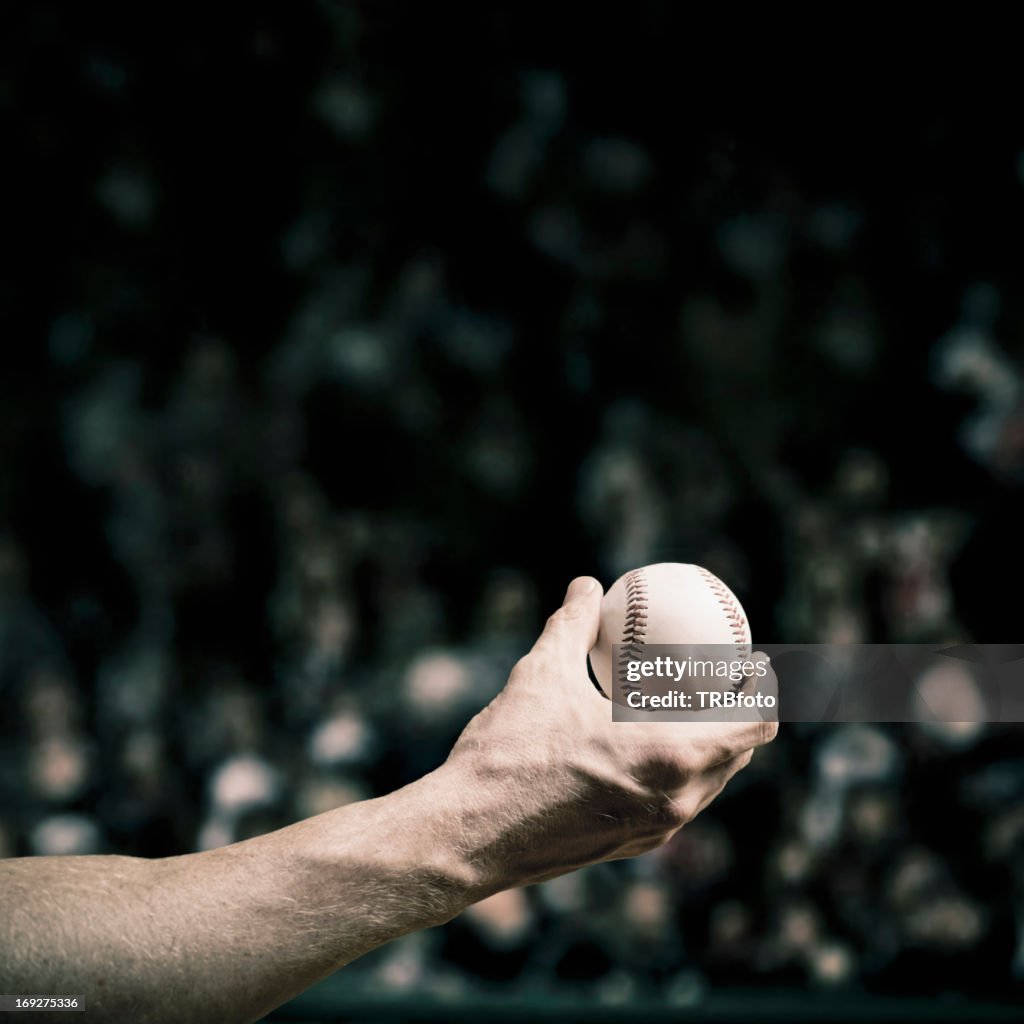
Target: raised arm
x=540 y=783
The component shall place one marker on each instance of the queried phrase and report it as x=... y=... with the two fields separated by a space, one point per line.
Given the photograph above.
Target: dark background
x=337 y=338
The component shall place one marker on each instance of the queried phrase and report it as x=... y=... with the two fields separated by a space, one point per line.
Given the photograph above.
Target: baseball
x=667 y=603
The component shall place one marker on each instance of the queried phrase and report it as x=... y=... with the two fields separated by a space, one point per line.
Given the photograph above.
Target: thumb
x=572 y=630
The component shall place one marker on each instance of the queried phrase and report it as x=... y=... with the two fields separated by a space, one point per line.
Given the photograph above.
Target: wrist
x=481 y=826
x=461 y=825
x=431 y=825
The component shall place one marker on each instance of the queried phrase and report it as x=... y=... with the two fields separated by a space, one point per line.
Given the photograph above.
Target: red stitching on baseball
x=733 y=613
x=635 y=625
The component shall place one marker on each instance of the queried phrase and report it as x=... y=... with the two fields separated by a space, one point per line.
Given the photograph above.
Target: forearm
x=229 y=934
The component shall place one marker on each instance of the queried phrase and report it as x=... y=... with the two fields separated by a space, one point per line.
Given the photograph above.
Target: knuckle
x=768 y=731
x=523 y=670
x=561 y=616
x=667 y=814
x=555 y=624
x=687 y=807
x=717 y=751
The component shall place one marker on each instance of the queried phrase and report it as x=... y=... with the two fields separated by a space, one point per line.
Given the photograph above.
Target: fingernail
x=580 y=586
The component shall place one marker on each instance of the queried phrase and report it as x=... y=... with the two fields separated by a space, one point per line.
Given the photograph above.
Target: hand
x=547 y=782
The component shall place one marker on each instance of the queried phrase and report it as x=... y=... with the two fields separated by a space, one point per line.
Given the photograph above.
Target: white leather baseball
x=667 y=603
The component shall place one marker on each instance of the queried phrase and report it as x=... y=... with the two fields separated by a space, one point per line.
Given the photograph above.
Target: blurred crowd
x=264 y=570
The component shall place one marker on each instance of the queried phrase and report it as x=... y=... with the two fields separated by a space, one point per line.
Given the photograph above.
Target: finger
x=572 y=630
x=708 y=788
x=718 y=741
x=749 y=684
x=763 y=684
